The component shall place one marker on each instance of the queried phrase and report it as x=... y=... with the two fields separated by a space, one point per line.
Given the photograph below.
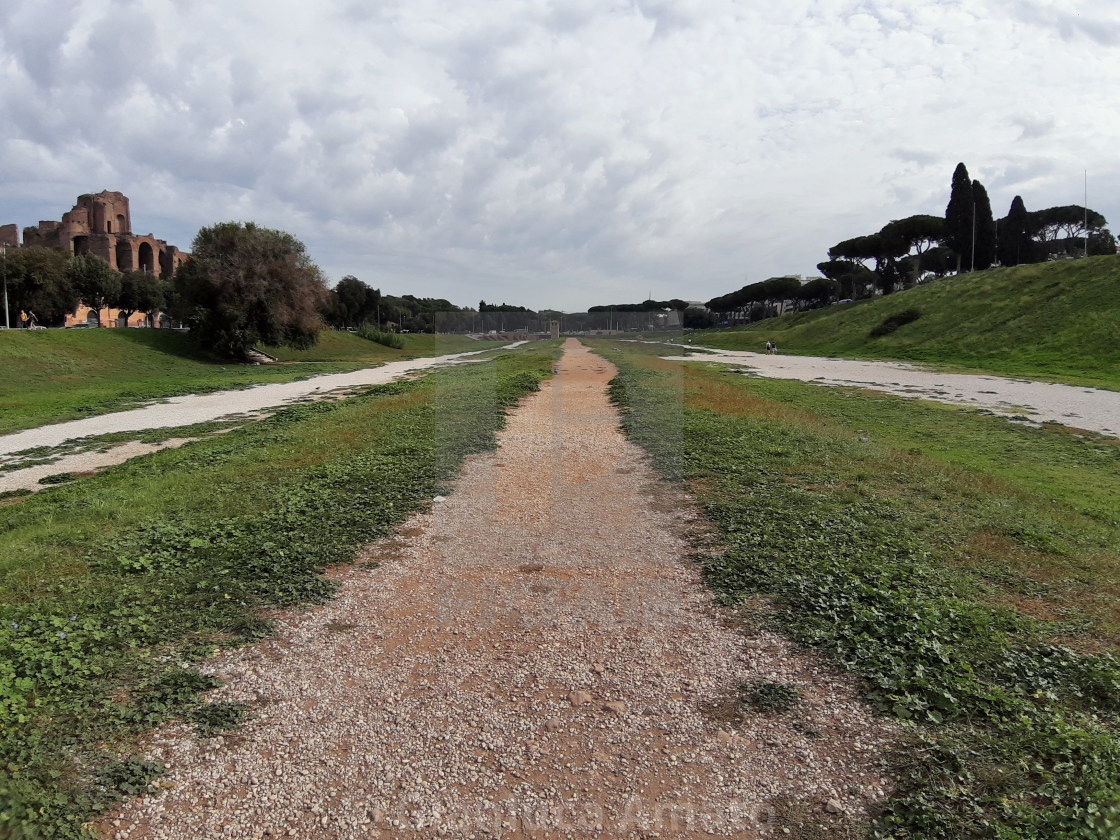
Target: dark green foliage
x=819 y=291
x=770 y=697
x=96 y=283
x=1016 y=243
x=1102 y=242
x=985 y=232
x=855 y=279
x=757 y=296
x=388 y=339
x=893 y=322
x=958 y=217
x=352 y=303
x=212 y=719
x=858 y=249
x=698 y=319
x=245 y=285
x=1061 y=231
x=142 y=292
x=915 y=236
x=130 y=777
x=39 y=285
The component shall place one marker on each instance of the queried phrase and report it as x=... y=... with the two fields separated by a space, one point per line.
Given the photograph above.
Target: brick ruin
x=101 y=225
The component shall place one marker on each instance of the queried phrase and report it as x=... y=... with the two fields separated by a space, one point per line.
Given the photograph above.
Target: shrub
x=895 y=321
x=371 y=333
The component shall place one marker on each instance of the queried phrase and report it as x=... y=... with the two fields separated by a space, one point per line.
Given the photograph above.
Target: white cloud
x=564 y=153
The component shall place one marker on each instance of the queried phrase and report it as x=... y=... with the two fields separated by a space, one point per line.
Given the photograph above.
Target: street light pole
x=973 y=267
x=7 y=322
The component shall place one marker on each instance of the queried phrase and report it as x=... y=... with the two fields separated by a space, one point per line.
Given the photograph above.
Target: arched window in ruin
x=124 y=256
x=93 y=317
x=121 y=226
x=166 y=269
x=108 y=227
x=81 y=246
x=147 y=258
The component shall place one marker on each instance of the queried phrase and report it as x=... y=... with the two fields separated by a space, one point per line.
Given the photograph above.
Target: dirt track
x=531 y=658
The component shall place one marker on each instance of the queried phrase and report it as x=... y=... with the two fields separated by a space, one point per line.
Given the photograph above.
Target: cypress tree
x=958 y=217
x=1015 y=245
x=985 y=253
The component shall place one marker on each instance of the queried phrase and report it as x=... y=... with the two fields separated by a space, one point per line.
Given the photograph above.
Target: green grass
x=1056 y=321
x=966 y=568
x=113 y=585
x=55 y=375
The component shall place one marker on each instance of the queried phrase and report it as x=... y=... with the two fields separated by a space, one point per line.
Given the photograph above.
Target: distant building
x=101 y=225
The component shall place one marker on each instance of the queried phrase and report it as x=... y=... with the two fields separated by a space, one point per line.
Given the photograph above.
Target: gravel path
x=187 y=410
x=1092 y=409
x=531 y=658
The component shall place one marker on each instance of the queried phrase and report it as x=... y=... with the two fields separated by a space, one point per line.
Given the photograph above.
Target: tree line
x=242 y=285
x=919 y=248
x=908 y=251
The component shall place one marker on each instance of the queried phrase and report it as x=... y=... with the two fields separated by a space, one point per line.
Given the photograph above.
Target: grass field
x=966 y=568
x=112 y=585
x=1056 y=321
x=55 y=375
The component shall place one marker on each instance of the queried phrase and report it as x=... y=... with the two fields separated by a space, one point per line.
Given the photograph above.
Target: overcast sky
x=555 y=154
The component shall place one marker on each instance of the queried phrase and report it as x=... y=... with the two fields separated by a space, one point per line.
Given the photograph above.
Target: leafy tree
x=1015 y=244
x=96 y=283
x=985 y=253
x=958 y=217
x=917 y=233
x=857 y=249
x=937 y=262
x=1062 y=230
x=141 y=292
x=353 y=303
x=855 y=279
x=38 y=286
x=757 y=300
x=820 y=291
x=1101 y=243
x=698 y=319
x=244 y=285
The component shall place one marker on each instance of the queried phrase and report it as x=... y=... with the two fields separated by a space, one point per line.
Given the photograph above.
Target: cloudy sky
x=555 y=154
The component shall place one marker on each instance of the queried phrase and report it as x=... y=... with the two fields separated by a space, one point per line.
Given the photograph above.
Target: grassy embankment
x=967 y=568
x=111 y=586
x=55 y=375
x=1056 y=321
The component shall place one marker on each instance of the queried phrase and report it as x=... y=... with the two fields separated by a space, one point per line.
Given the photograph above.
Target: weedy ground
x=55 y=375
x=112 y=585
x=967 y=568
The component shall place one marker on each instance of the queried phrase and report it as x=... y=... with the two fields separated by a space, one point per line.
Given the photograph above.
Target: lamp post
x=4 y=251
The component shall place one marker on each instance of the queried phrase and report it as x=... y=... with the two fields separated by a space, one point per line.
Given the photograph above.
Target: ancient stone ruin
x=101 y=225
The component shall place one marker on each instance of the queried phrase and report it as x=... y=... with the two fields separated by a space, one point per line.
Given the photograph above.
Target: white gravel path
x=1079 y=407
x=188 y=410
x=533 y=658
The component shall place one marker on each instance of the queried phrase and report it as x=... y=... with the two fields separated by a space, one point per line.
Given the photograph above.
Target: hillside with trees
x=1055 y=320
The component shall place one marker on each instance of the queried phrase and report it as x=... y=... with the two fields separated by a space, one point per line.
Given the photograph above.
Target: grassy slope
x=112 y=585
x=1057 y=321
x=55 y=375
x=967 y=568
